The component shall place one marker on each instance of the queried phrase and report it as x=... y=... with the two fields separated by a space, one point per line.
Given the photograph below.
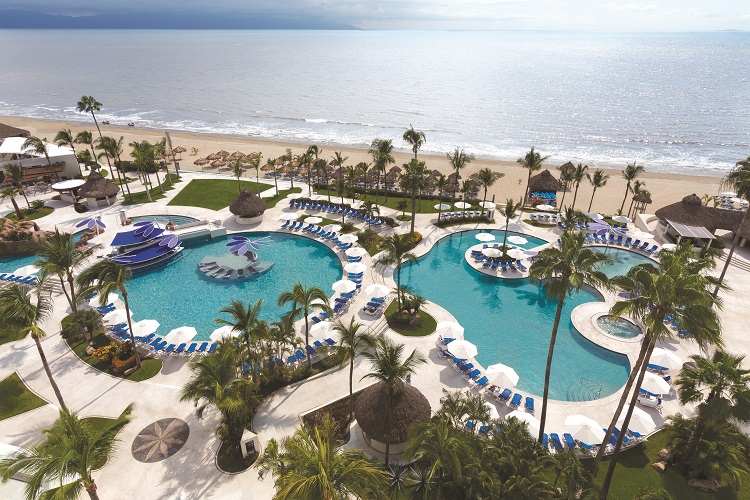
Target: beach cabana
x=543 y=189
x=689 y=218
x=248 y=208
x=98 y=191
x=639 y=205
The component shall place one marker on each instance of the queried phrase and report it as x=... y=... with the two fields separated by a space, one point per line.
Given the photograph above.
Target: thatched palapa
x=544 y=182
x=409 y=407
x=98 y=187
x=691 y=212
x=8 y=131
x=248 y=205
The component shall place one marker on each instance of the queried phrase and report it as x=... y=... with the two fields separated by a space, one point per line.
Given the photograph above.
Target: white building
x=35 y=165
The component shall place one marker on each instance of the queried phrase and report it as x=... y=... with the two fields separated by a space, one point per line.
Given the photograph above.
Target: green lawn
x=15 y=398
x=213 y=194
x=149 y=366
x=44 y=212
x=9 y=336
x=426 y=325
x=272 y=201
x=141 y=197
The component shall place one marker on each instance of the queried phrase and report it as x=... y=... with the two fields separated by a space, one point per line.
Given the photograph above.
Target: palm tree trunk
x=505 y=235
x=695 y=438
x=73 y=298
x=575 y=196
x=377 y=189
x=24 y=196
x=630 y=209
x=351 y=387
x=62 y=285
x=398 y=285
x=325 y=176
x=123 y=178
x=130 y=327
x=19 y=215
x=158 y=181
x=96 y=123
x=735 y=240
x=309 y=184
x=307 y=338
x=275 y=180
x=548 y=369
x=627 y=189
x=592 y=199
x=239 y=186
x=484 y=200
x=413 y=210
x=45 y=364
x=565 y=190
x=257 y=181
x=91 y=489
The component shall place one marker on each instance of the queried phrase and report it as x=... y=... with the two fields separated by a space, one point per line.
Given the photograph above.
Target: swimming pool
x=164 y=219
x=618 y=327
x=623 y=260
x=10 y=264
x=180 y=294
x=510 y=321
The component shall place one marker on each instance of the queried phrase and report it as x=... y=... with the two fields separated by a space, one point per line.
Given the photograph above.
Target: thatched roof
x=565 y=165
x=8 y=131
x=639 y=198
x=247 y=205
x=97 y=186
x=544 y=181
x=691 y=211
x=409 y=406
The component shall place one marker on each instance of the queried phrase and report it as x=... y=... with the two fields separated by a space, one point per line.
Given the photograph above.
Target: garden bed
x=150 y=367
x=230 y=459
x=425 y=326
x=16 y=398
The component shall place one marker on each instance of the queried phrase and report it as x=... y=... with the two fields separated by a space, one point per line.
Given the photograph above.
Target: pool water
x=618 y=327
x=180 y=294
x=164 y=219
x=623 y=260
x=510 y=321
x=10 y=264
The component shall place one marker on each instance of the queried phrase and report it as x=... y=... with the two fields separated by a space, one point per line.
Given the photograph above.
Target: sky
x=657 y=15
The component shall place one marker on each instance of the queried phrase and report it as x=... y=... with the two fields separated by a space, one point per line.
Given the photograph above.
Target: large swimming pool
x=164 y=219
x=510 y=321
x=10 y=264
x=180 y=294
x=622 y=260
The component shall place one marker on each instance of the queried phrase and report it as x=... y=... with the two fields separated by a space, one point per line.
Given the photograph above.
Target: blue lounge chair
x=170 y=348
x=202 y=348
x=191 y=349
x=148 y=338
x=291 y=359
x=505 y=395
x=596 y=238
x=611 y=239
x=635 y=244
x=483 y=430
x=285 y=224
x=627 y=242
x=569 y=441
x=318 y=343
x=619 y=240
x=556 y=441
x=521 y=266
x=316 y=319
x=310 y=350
x=512 y=266
x=212 y=348
x=516 y=400
x=657 y=368
x=653 y=250
x=155 y=342
x=482 y=382
x=330 y=341
x=466 y=367
x=503 y=266
x=644 y=246
x=473 y=373
x=530 y=404
x=300 y=355
x=470 y=426
x=180 y=348
x=545 y=441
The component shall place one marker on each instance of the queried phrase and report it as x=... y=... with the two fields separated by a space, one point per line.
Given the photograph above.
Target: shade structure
x=640 y=422
x=462 y=204
x=488 y=205
x=226 y=331
x=181 y=335
x=333 y=227
x=109 y=299
x=533 y=423
x=494 y=415
x=655 y=384
x=449 y=329
x=585 y=429
x=356 y=252
x=294 y=196
x=665 y=358
x=27 y=270
x=516 y=253
x=441 y=206
x=344 y=286
x=355 y=267
x=145 y=327
x=377 y=290
x=668 y=246
x=337 y=199
x=501 y=375
x=314 y=220
x=380 y=256
x=463 y=349
x=594 y=215
x=621 y=218
x=322 y=327
x=492 y=252
x=546 y=208
x=517 y=240
x=485 y=237
x=115 y=317
x=348 y=238
x=289 y=216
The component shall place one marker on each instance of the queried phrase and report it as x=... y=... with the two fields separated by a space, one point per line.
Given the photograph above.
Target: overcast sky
x=658 y=15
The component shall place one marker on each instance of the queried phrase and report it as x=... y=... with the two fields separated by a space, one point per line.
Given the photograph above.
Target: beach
x=665 y=188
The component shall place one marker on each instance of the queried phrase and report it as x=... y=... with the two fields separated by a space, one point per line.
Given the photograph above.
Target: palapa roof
x=691 y=211
x=639 y=198
x=544 y=181
x=247 y=205
x=409 y=407
x=9 y=131
x=97 y=186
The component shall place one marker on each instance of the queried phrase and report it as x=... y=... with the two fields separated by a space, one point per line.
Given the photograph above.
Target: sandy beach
x=664 y=188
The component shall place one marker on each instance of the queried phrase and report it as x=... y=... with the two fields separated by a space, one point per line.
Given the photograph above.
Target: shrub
x=347 y=227
x=461 y=220
x=73 y=324
x=417 y=237
x=106 y=353
x=121 y=365
x=36 y=205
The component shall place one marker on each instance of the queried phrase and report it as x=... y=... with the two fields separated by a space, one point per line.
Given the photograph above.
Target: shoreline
x=665 y=188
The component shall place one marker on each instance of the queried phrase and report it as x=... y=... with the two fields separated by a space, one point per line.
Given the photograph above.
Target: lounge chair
x=300 y=355
x=644 y=246
x=556 y=443
x=521 y=266
x=619 y=240
x=470 y=426
x=657 y=368
x=170 y=348
x=202 y=348
x=465 y=367
x=596 y=238
x=180 y=348
x=473 y=373
x=482 y=382
x=512 y=266
x=569 y=441
x=635 y=244
x=147 y=339
x=545 y=441
x=627 y=241
x=291 y=359
x=483 y=430
x=530 y=404
x=504 y=396
x=310 y=350
x=212 y=348
x=330 y=341
x=191 y=349
x=516 y=401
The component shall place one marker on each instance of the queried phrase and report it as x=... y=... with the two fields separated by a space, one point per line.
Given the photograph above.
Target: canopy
x=356 y=252
x=655 y=384
x=485 y=237
x=145 y=327
x=128 y=238
x=313 y=220
x=116 y=316
x=289 y=216
x=463 y=349
x=667 y=359
x=516 y=253
x=517 y=240
x=226 y=331
x=501 y=375
x=640 y=422
x=348 y=238
x=686 y=231
x=181 y=335
x=462 y=204
x=344 y=286
x=322 y=327
x=377 y=290
x=533 y=423
x=449 y=329
x=546 y=208
x=441 y=206
x=355 y=267
x=492 y=252
x=14 y=146
x=585 y=429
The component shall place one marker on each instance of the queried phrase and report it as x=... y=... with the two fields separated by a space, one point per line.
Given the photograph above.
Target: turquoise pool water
x=618 y=327
x=163 y=219
x=180 y=294
x=10 y=264
x=623 y=260
x=510 y=321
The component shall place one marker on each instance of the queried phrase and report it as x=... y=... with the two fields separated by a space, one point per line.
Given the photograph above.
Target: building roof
x=14 y=146
x=9 y=131
x=97 y=186
x=690 y=211
x=544 y=181
x=409 y=406
x=247 y=205
x=691 y=231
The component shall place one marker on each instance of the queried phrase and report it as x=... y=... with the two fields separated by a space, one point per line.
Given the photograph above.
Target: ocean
x=674 y=102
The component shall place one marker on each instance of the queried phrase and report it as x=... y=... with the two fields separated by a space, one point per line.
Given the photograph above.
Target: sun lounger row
x=457 y=215
x=336 y=210
x=504 y=265
x=374 y=306
x=506 y=396
x=594 y=238
x=23 y=280
x=544 y=218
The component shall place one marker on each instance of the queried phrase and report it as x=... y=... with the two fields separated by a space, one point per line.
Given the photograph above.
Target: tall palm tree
x=168 y=139
x=566 y=180
x=397 y=248
x=312 y=465
x=243 y=319
x=65 y=138
x=272 y=162
x=531 y=161
x=738 y=179
x=728 y=396
x=599 y=179
x=73 y=449
x=629 y=174
x=458 y=160
x=382 y=156
x=160 y=148
x=338 y=161
x=679 y=287
x=24 y=311
x=39 y=146
x=12 y=192
x=578 y=175
x=239 y=169
x=14 y=173
x=321 y=168
x=413 y=180
x=306 y=159
x=389 y=368
x=105 y=277
x=143 y=156
x=112 y=148
x=313 y=151
x=58 y=255
x=486 y=178
x=85 y=137
x=304 y=301
x=353 y=343
x=414 y=138
x=638 y=190
x=369 y=209
x=87 y=104
x=564 y=270
x=351 y=173
x=509 y=211
x=440 y=183
x=254 y=162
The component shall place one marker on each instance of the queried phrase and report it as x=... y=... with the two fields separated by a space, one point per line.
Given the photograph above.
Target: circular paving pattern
x=160 y=440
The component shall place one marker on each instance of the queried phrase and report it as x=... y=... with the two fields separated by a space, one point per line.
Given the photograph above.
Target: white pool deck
x=191 y=472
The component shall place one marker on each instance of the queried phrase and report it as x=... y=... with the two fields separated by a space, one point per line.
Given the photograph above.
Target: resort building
x=62 y=162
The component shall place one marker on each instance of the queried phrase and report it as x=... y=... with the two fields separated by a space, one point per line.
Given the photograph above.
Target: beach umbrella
x=226 y=331
x=213 y=156
x=334 y=228
x=27 y=270
x=546 y=208
x=294 y=196
x=95 y=301
x=463 y=349
x=145 y=327
x=641 y=235
x=223 y=153
x=621 y=218
x=501 y=375
x=337 y=199
x=237 y=155
x=289 y=216
x=492 y=252
x=201 y=161
x=115 y=317
x=516 y=253
x=488 y=205
x=585 y=429
x=348 y=238
x=532 y=422
x=355 y=267
x=322 y=327
x=494 y=415
x=267 y=167
x=518 y=240
x=665 y=358
x=462 y=204
x=377 y=290
x=441 y=206
x=344 y=286
x=594 y=215
x=668 y=246
x=485 y=237
x=655 y=384
x=218 y=163
x=181 y=335
x=356 y=252
x=314 y=220
x=640 y=422
x=179 y=149
x=449 y=329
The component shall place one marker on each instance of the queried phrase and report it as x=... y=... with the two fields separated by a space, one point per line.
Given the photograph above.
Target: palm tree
x=638 y=190
x=321 y=168
x=415 y=139
x=168 y=139
x=486 y=179
x=14 y=173
x=677 y=288
x=397 y=248
x=65 y=138
x=88 y=104
x=39 y=146
x=12 y=192
x=629 y=174
x=58 y=255
x=578 y=175
x=272 y=162
x=413 y=180
x=338 y=161
x=105 y=277
x=313 y=151
x=459 y=160
x=369 y=209
x=24 y=311
x=509 y=212
x=738 y=179
x=311 y=465
x=531 y=161
x=351 y=174
x=728 y=396
x=353 y=343
x=389 y=369
x=112 y=148
x=74 y=448
x=238 y=171
x=85 y=137
x=566 y=180
x=382 y=156
x=306 y=159
x=564 y=270
x=243 y=319
x=304 y=301
x=255 y=163
x=440 y=183
x=143 y=155
x=599 y=179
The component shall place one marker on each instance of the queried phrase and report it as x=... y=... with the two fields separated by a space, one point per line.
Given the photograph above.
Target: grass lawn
x=149 y=366
x=126 y=180
x=372 y=245
x=230 y=459
x=44 y=212
x=9 y=336
x=156 y=194
x=213 y=194
x=15 y=398
x=426 y=325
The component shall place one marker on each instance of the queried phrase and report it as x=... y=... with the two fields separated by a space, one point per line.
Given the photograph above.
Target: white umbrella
x=488 y=205
x=355 y=267
x=289 y=216
x=181 y=335
x=333 y=227
x=27 y=270
x=640 y=422
x=641 y=235
x=668 y=246
x=518 y=227
x=501 y=375
x=116 y=316
x=337 y=199
x=485 y=237
x=492 y=252
x=317 y=197
x=294 y=196
x=95 y=300
x=441 y=206
x=621 y=218
x=665 y=358
x=493 y=410
x=546 y=208
x=463 y=349
x=377 y=290
x=517 y=240
x=314 y=220
x=462 y=204
x=145 y=327
x=516 y=253
x=449 y=329
x=737 y=200
x=585 y=429
x=356 y=204
x=594 y=215
x=348 y=238
x=533 y=423
x=322 y=327
x=223 y=332
x=356 y=252
x=655 y=384
x=344 y=286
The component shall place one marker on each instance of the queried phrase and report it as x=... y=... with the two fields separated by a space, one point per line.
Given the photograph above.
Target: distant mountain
x=21 y=19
